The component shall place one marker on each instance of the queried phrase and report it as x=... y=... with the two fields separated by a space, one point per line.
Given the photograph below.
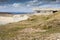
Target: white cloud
x=51 y=5
x=16 y=5
x=2 y=7
x=36 y=3
x=33 y=3
x=27 y=4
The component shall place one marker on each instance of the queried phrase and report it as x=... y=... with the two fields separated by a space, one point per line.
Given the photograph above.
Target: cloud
x=29 y=3
x=2 y=7
x=37 y=3
x=27 y=6
x=33 y=3
x=50 y=6
x=16 y=5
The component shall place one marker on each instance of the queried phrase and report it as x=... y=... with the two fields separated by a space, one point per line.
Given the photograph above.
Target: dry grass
x=35 y=28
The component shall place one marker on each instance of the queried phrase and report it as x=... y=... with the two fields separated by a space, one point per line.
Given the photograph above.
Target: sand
x=15 y=18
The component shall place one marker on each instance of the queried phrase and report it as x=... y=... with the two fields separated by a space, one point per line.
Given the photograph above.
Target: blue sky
x=26 y=5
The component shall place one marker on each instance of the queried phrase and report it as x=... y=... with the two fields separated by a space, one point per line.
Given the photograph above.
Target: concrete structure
x=46 y=10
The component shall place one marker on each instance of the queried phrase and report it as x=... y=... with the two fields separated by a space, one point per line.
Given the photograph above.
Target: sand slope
x=15 y=18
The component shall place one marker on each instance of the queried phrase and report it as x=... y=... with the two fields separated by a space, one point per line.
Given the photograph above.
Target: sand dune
x=15 y=18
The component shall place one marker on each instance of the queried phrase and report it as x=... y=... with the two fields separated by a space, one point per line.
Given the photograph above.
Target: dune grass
x=17 y=31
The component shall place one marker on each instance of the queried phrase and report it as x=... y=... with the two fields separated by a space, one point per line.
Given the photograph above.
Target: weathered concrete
x=46 y=11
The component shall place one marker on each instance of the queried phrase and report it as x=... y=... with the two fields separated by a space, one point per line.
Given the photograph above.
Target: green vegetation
x=37 y=27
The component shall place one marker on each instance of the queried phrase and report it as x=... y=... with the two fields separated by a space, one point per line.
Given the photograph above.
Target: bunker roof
x=46 y=9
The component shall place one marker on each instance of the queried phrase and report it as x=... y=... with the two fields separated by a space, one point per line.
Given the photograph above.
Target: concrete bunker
x=46 y=10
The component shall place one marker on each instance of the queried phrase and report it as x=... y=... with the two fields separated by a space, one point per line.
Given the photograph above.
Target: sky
x=26 y=5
